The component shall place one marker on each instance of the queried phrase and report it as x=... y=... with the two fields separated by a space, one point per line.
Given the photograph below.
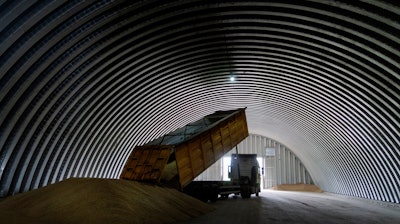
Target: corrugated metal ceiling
x=83 y=82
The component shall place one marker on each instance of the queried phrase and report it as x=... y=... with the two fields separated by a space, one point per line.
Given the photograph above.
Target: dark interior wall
x=83 y=82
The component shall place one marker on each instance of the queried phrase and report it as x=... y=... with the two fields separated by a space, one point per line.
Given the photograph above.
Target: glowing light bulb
x=232 y=78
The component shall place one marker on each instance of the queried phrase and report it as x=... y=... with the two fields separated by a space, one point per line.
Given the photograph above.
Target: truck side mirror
x=262 y=170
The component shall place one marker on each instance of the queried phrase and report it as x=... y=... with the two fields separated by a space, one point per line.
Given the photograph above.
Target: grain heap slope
x=91 y=200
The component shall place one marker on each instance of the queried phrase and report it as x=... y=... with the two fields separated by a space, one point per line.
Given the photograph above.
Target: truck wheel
x=245 y=194
x=214 y=197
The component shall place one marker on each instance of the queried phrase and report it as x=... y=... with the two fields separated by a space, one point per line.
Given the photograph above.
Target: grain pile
x=89 y=200
x=298 y=187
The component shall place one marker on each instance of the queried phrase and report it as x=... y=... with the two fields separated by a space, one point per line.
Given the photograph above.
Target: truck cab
x=244 y=171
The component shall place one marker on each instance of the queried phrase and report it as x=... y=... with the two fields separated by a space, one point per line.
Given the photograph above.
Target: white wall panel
x=283 y=168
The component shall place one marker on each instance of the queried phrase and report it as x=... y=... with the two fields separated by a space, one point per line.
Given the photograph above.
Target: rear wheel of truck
x=245 y=194
x=214 y=197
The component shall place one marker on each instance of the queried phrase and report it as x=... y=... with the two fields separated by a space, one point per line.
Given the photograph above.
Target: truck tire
x=245 y=193
x=213 y=197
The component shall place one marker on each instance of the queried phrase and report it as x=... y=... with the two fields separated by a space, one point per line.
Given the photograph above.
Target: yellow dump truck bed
x=180 y=156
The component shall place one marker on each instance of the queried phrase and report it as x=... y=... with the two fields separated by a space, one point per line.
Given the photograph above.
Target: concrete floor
x=301 y=207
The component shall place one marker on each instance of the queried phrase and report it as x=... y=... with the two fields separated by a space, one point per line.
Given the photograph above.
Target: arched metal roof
x=83 y=82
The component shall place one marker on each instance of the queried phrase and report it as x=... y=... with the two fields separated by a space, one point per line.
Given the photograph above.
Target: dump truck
x=244 y=174
x=177 y=158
